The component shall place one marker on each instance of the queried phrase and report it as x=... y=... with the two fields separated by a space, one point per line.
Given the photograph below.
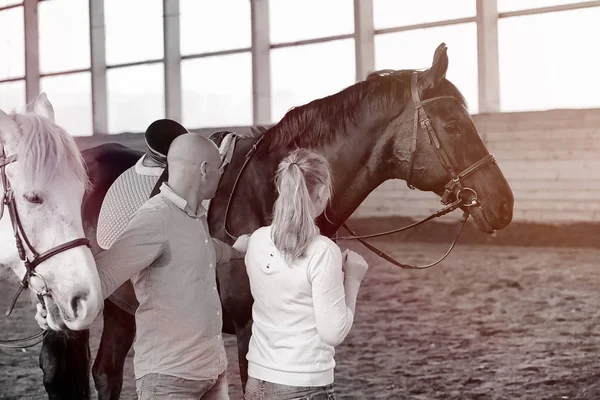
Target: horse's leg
x=65 y=362
x=117 y=337
x=243 y=334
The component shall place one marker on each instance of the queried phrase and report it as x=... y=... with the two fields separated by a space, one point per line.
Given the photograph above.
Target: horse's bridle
x=454 y=188
x=421 y=119
x=8 y=200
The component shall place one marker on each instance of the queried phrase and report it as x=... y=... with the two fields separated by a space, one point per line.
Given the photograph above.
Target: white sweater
x=299 y=312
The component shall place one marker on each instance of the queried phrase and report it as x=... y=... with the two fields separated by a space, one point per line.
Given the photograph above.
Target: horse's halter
x=455 y=185
x=8 y=200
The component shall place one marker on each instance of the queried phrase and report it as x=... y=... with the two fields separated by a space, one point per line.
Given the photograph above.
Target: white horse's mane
x=46 y=151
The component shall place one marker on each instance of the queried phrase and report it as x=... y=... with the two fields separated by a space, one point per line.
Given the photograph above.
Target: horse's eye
x=452 y=129
x=34 y=198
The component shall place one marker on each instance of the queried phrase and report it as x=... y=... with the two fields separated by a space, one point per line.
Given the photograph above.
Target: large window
x=71 y=98
x=208 y=26
x=133 y=35
x=136 y=97
x=394 y=13
x=414 y=50
x=301 y=74
x=64 y=27
x=12 y=96
x=514 y=5
x=293 y=20
x=217 y=91
x=64 y=35
x=12 y=43
x=546 y=60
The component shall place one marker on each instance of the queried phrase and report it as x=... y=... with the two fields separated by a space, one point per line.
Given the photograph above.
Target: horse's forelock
x=46 y=150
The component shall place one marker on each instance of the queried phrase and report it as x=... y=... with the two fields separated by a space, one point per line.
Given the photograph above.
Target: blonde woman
x=304 y=289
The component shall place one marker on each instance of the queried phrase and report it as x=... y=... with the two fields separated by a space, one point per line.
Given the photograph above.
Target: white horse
x=46 y=178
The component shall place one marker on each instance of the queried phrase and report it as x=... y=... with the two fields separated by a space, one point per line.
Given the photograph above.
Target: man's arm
x=140 y=244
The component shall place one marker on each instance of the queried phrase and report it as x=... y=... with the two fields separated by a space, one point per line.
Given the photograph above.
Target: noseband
x=8 y=200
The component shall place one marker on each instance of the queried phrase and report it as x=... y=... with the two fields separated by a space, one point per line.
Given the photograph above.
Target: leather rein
x=9 y=201
x=454 y=188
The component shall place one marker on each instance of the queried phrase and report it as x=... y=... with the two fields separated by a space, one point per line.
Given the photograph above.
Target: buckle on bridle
x=446 y=197
x=450 y=189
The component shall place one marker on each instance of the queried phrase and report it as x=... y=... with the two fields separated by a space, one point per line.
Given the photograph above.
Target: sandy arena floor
x=492 y=322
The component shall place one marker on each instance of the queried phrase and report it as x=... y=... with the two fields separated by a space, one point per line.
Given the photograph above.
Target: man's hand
x=40 y=317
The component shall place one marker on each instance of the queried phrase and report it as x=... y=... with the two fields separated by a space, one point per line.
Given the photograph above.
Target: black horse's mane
x=317 y=123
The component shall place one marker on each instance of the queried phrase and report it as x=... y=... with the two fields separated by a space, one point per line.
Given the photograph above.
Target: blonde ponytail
x=298 y=178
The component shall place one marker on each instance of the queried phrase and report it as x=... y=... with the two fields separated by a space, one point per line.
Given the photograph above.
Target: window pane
x=217 y=91
x=513 y=5
x=64 y=35
x=71 y=98
x=136 y=97
x=134 y=30
x=301 y=74
x=203 y=29
x=542 y=67
x=292 y=20
x=394 y=13
x=12 y=43
x=12 y=96
x=414 y=50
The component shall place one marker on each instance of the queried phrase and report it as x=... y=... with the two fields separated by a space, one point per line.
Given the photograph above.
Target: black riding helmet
x=159 y=136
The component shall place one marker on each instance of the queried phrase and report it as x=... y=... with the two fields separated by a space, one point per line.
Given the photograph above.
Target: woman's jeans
x=257 y=389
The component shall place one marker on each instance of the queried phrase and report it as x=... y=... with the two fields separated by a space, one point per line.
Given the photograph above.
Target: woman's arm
x=333 y=303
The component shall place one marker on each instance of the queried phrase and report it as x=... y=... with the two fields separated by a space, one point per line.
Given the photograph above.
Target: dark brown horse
x=370 y=132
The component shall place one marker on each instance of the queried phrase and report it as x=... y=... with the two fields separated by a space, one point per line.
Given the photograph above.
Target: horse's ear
x=43 y=107
x=434 y=75
x=7 y=126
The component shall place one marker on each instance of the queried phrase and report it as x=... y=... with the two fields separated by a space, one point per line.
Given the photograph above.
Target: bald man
x=170 y=258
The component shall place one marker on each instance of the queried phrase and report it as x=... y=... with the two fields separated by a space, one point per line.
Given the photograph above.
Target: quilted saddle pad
x=131 y=189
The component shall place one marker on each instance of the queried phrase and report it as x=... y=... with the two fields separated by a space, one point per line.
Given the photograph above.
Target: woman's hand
x=240 y=246
x=354 y=265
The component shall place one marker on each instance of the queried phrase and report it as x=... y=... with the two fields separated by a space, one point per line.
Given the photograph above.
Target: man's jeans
x=159 y=386
x=261 y=390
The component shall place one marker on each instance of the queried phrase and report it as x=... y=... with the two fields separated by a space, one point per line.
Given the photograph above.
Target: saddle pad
x=131 y=189
x=124 y=197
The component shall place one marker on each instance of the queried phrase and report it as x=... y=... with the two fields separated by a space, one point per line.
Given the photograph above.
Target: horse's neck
x=362 y=162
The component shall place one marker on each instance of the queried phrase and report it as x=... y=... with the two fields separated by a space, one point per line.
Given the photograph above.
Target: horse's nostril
x=506 y=210
x=76 y=302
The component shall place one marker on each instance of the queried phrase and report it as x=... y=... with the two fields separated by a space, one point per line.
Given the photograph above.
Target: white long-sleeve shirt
x=299 y=312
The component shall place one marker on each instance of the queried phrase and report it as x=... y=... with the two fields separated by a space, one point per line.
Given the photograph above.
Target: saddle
x=134 y=186
x=142 y=181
